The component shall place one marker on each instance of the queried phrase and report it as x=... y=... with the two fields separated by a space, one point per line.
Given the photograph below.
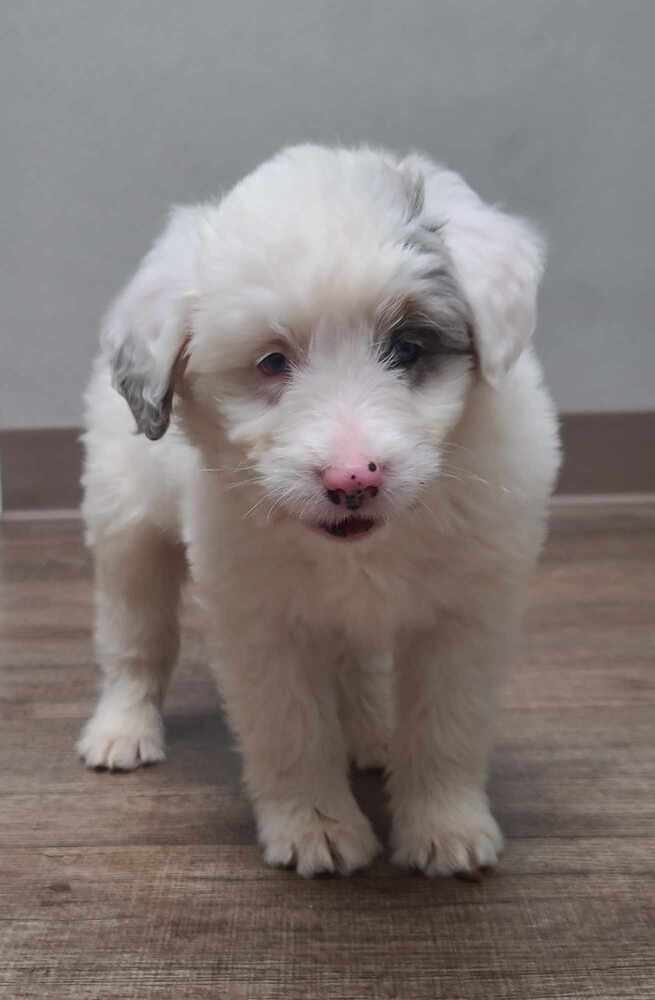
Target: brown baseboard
x=604 y=453
x=40 y=468
x=607 y=453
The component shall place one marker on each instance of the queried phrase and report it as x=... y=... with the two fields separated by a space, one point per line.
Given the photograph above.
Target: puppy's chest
x=370 y=597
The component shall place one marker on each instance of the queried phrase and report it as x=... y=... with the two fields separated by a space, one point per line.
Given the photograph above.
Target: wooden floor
x=150 y=884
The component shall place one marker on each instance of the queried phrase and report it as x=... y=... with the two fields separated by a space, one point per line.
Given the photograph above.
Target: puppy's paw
x=452 y=836
x=314 y=843
x=122 y=739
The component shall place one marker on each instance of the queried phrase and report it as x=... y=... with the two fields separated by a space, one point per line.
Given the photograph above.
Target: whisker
x=254 y=506
x=276 y=503
x=231 y=468
x=432 y=513
x=475 y=478
x=244 y=482
x=283 y=495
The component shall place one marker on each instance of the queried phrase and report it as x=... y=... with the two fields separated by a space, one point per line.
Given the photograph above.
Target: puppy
x=319 y=393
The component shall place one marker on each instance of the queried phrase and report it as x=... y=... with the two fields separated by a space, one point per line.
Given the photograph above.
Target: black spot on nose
x=372 y=467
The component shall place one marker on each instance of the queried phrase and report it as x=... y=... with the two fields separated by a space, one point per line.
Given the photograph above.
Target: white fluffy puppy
x=358 y=463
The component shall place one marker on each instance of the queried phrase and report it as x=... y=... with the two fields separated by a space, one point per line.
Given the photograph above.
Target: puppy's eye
x=403 y=353
x=274 y=364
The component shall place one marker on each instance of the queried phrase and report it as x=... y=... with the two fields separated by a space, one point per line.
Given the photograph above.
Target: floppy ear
x=498 y=260
x=147 y=330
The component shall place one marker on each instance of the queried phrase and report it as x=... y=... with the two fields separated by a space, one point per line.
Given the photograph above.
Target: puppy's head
x=323 y=325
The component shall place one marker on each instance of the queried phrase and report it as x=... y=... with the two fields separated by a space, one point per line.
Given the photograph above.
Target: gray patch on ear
x=151 y=407
x=152 y=419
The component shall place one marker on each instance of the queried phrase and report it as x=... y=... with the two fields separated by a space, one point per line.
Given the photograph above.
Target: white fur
x=304 y=256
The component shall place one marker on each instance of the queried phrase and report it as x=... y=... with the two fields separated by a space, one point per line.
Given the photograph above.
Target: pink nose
x=352 y=483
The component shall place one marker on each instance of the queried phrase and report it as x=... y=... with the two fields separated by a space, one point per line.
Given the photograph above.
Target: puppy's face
x=340 y=423
x=335 y=355
x=340 y=304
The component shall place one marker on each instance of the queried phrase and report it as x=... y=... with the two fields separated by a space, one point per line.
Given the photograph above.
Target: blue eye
x=274 y=364
x=404 y=353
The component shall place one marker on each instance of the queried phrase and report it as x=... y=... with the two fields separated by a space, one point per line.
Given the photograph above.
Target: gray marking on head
x=439 y=338
x=433 y=227
x=438 y=317
x=416 y=197
x=439 y=320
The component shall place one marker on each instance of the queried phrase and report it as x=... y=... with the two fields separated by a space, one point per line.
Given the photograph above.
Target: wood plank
x=554 y=776
x=569 y=921
x=150 y=885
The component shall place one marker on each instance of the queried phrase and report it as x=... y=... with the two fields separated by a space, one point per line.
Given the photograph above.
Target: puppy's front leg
x=446 y=683
x=280 y=694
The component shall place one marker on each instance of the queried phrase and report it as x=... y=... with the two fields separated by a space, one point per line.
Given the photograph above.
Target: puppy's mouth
x=349 y=529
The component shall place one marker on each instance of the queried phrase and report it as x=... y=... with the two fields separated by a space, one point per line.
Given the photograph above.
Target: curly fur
x=388 y=649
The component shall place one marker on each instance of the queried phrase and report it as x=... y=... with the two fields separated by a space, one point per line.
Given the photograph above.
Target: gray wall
x=113 y=110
